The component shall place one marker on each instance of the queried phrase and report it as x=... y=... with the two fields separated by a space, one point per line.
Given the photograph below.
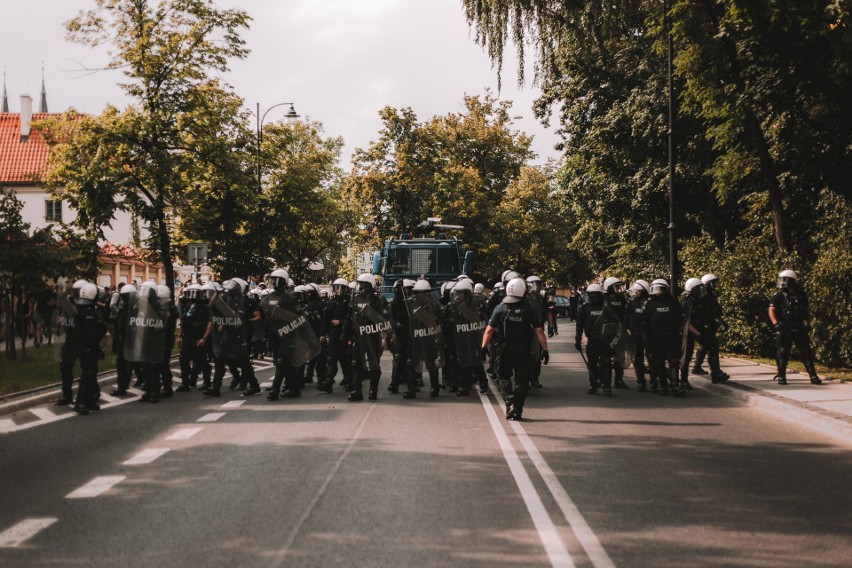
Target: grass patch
x=794 y=366
x=40 y=368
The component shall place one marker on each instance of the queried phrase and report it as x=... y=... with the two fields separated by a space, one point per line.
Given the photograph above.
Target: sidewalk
x=826 y=407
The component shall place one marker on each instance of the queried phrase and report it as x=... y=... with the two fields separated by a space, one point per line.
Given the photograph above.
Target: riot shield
x=229 y=330
x=536 y=302
x=370 y=328
x=299 y=343
x=63 y=341
x=424 y=330
x=146 y=331
x=607 y=326
x=624 y=346
x=467 y=333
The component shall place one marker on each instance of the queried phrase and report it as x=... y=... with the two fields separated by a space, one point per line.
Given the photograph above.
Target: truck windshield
x=430 y=259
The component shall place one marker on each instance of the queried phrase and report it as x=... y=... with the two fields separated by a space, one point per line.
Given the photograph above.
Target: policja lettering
x=230 y=322
x=291 y=326
x=468 y=327
x=374 y=328
x=154 y=323
x=428 y=332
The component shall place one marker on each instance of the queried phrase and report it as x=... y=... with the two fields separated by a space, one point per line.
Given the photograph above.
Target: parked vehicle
x=562 y=306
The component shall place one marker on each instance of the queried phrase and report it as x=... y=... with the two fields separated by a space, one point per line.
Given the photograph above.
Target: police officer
x=286 y=374
x=121 y=317
x=68 y=350
x=463 y=324
x=662 y=331
x=690 y=308
x=615 y=299
x=366 y=340
x=164 y=295
x=90 y=329
x=535 y=299
x=515 y=323
x=399 y=321
x=599 y=324
x=331 y=335
x=314 y=307
x=790 y=316
x=711 y=316
x=633 y=322
x=195 y=329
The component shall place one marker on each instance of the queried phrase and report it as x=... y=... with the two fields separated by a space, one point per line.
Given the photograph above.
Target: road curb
x=25 y=402
x=797 y=413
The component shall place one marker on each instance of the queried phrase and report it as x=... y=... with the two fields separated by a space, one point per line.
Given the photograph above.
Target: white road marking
x=43 y=413
x=7 y=425
x=212 y=417
x=105 y=398
x=184 y=434
x=96 y=486
x=582 y=530
x=234 y=404
x=146 y=456
x=23 y=531
x=547 y=531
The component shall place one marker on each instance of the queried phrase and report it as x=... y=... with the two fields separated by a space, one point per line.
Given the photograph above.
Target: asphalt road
x=631 y=481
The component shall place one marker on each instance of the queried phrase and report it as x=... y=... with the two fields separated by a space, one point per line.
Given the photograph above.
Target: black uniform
x=709 y=318
x=618 y=304
x=599 y=324
x=89 y=330
x=662 y=331
x=314 y=309
x=194 y=319
x=286 y=374
x=514 y=327
x=792 y=311
x=633 y=322
x=336 y=350
x=364 y=367
x=401 y=371
x=165 y=366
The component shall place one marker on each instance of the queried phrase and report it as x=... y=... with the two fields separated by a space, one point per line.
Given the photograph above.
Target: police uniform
x=337 y=310
x=514 y=325
x=194 y=321
x=662 y=331
x=599 y=324
x=89 y=330
x=792 y=312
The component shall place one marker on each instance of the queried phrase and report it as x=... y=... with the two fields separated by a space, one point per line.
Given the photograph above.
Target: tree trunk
x=767 y=168
x=165 y=245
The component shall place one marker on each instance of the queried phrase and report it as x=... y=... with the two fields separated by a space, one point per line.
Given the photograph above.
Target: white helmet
x=163 y=292
x=534 y=284
x=641 y=286
x=659 y=286
x=691 y=284
x=408 y=283
x=515 y=290
x=509 y=275
x=339 y=286
x=88 y=295
x=352 y=285
x=594 y=288
x=127 y=290
x=464 y=285
x=498 y=286
x=479 y=288
x=710 y=281
x=366 y=281
x=207 y=290
x=786 y=278
x=192 y=292
x=279 y=278
x=423 y=286
x=613 y=285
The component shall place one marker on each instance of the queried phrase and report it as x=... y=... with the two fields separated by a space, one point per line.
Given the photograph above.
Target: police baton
x=586 y=361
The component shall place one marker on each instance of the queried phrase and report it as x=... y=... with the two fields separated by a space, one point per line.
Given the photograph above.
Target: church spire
x=42 y=107
x=5 y=97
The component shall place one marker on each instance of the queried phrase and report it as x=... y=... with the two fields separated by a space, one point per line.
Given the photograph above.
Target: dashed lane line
x=184 y=433
x=554 y=546
x=146 y=456
x=212 y=417
x=234 y=404
x=7 y=425
x=96 y=486
x=23 y=531
x=43 y=413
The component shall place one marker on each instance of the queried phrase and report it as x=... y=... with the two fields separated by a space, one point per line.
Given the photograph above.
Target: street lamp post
x=672 y=227
x=291 y=116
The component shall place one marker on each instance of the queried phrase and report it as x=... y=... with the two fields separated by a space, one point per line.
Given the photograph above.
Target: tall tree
x=167 y=50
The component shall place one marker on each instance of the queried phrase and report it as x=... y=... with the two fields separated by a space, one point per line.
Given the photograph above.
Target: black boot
x=355 y=396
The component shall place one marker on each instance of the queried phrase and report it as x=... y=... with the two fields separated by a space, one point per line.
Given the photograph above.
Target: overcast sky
x=339 y=61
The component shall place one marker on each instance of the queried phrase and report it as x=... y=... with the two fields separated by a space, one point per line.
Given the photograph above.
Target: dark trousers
x=335 y=352
x=663 y=357
x=515 y=363
x=193 y=359
x=784 y=340
x=639 y=359
x=709 y=348
x=88 y=393
x=66 y=374
x=599 y=355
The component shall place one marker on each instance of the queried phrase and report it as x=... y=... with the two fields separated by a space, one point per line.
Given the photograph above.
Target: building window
x=53 y=210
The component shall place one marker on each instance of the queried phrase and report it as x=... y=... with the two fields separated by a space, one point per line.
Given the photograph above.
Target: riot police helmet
x=193 y=292
x=710 y=282
x=787 y=279
x=693 y=285
x=339 y=286
x=613 y=285
x=279 y=279
x=479 y=288
x=463 y=291
x=659 y=287
x=534 y=284
x=422 y=286
x=639 y=287
x=87 y=296
x=232 y=288
x=242 y=284
x=208 y=289
x=594 y=292
x=366 y=282
x=163 y=292
x=76 y=287
x=515 y=290
x=509 y=275
x=127 y=290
